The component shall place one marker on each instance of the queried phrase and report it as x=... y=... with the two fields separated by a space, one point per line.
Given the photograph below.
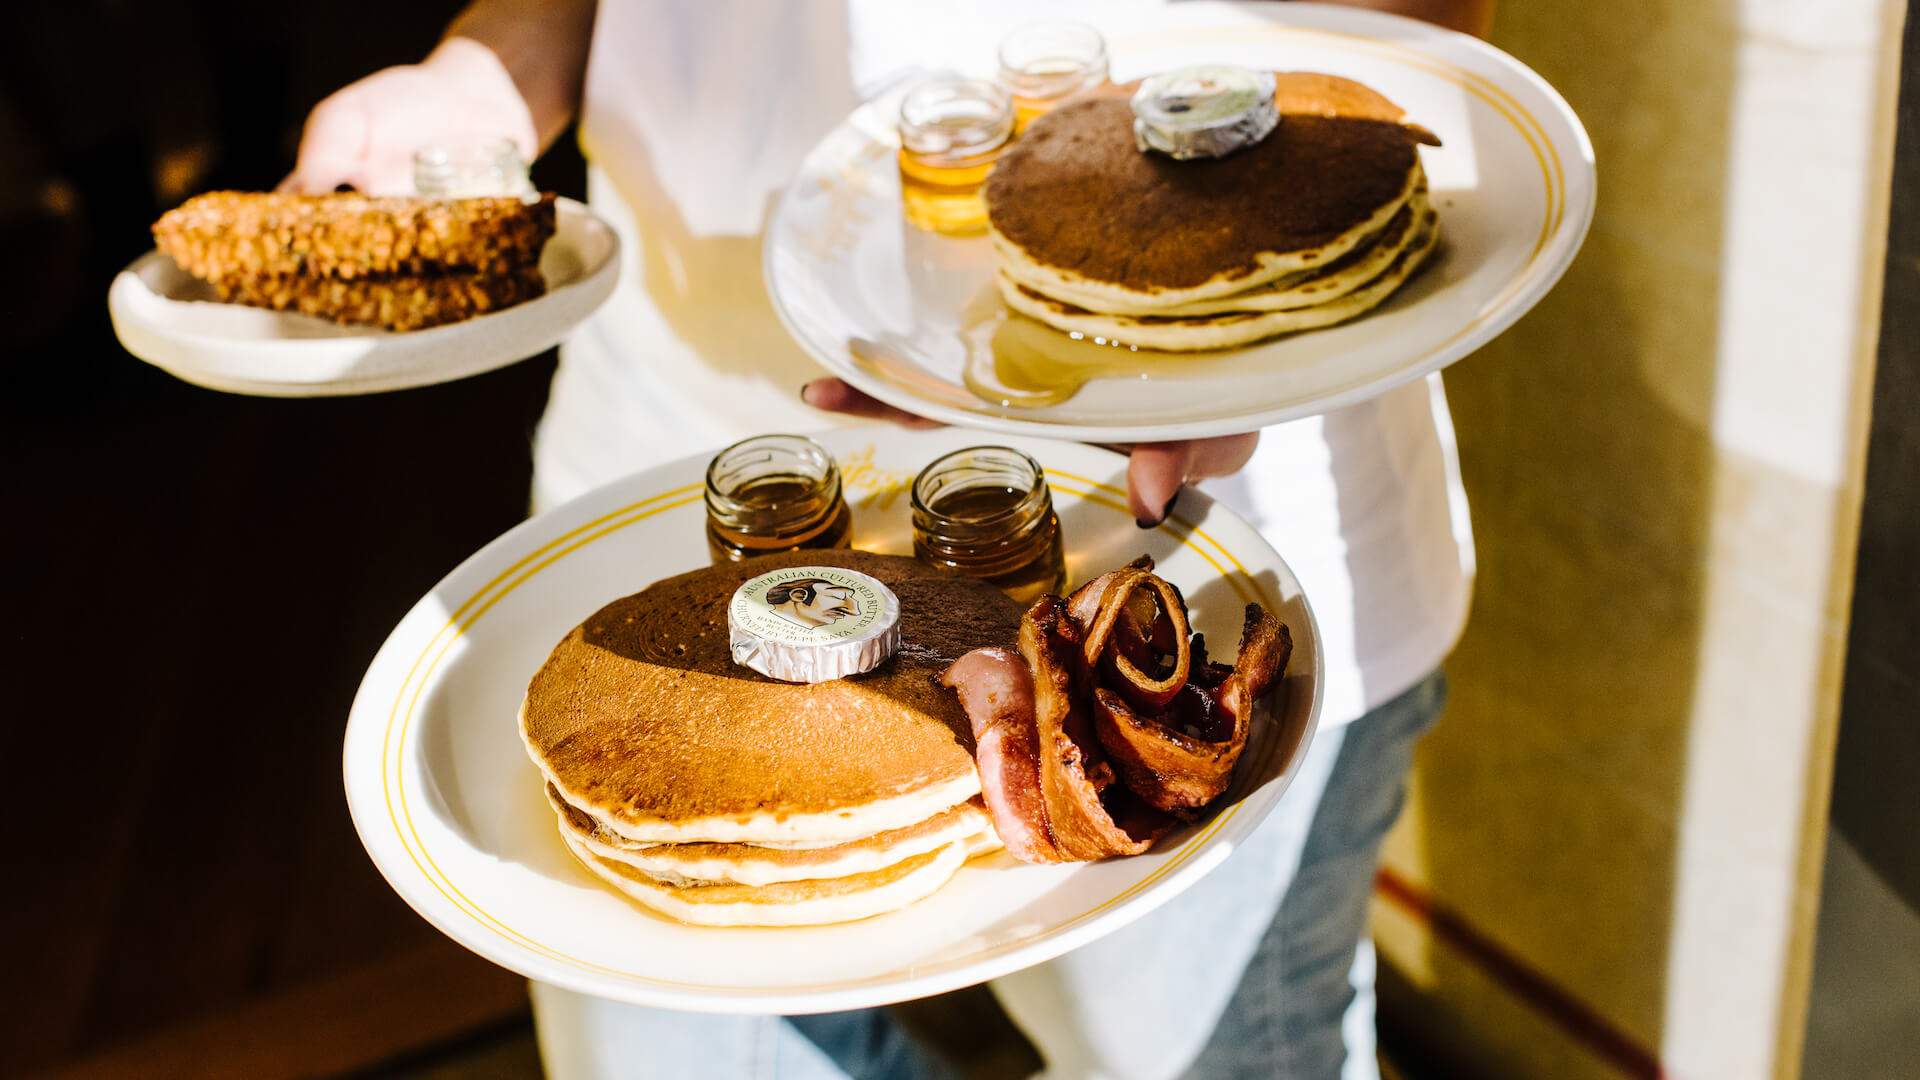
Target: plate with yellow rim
x=452 y=811
x=910 y=317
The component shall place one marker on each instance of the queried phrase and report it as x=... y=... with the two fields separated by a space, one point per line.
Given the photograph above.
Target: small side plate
x=168 y=318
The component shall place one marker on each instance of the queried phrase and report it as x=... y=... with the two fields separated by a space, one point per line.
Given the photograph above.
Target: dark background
x=199 y=579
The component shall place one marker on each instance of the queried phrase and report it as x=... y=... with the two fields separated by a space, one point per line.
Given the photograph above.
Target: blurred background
x=205 y=577
x=1666 y=828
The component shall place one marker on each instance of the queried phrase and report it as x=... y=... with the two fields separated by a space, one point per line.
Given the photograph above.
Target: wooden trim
x=1579 y=1021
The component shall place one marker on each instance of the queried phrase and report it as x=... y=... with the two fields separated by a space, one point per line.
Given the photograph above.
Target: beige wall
x=1618 y=823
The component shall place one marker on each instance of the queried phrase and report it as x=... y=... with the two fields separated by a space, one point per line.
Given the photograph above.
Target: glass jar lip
x=1037 y=492
x=828 y=468
x=1089 y=38
x=474 y=168
x=917 y=109
x=487 y=151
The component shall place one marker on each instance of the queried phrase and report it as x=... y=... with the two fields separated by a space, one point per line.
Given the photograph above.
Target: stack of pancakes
x=715 y=795
x=1320 y=221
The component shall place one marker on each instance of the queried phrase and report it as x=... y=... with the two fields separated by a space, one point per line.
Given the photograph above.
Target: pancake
x=1313 y=93
x=793 y=903
x=1363 y=264
x=747 y=864
x=1204 y=332
x=1078 y=213
x=640 y=719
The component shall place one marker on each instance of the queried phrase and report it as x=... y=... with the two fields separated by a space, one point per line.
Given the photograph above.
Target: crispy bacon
x=1265 y=648
x=1081 y=824
x=1183 y=759
x=1110 y=677
x=1121 y=632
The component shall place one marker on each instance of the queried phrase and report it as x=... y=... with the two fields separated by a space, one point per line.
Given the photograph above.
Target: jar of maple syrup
x=987 y=512
x=774 y=493
x=952 y=130
x=1043 y=64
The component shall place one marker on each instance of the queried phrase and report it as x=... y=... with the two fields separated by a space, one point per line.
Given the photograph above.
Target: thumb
x=1157 y=471
x=1155 y=474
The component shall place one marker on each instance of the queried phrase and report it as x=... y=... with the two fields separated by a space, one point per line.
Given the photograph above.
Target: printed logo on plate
x=807 y=605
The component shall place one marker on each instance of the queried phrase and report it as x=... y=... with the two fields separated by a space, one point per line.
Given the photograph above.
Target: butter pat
x=1209 y=110
x=808 y=624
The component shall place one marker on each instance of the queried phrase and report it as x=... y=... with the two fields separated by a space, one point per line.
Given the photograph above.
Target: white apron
x=696 y=113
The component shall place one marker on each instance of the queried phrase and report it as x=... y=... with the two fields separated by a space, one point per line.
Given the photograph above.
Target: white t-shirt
x=696 y=114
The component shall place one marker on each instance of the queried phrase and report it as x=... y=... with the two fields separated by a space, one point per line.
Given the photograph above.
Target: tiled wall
x=1609 y=860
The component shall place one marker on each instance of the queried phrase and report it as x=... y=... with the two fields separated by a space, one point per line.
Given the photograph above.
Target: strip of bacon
x=1081 y=825
x=1265 y=648
x=996 y=690
x=1042 y=775
x=1051 y=724
x=1187 y=766
x=1118 y=635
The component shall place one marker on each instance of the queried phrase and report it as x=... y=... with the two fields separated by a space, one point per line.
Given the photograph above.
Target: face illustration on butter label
x=813 y=602
x=808 y=605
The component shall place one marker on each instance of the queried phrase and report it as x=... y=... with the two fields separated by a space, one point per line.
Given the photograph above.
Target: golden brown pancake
x=640 y=719
x=791 y=903
x=752 y=864
x=1076 y=206
x=1310 y=93
x=1230 y=328
x=1310 y=288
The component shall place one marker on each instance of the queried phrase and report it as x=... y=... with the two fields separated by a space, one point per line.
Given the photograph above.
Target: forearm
x=542 y=44
x=1467 y=16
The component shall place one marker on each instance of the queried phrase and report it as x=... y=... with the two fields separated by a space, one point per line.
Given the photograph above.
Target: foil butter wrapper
x=808 y=624
x=1209 y=110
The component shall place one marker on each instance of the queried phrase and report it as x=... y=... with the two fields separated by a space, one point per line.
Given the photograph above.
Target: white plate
x=453 y=814
x=881 y=304
x=168 y=318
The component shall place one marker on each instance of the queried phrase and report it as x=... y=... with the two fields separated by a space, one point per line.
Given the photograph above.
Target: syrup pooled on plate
x=1015 y=362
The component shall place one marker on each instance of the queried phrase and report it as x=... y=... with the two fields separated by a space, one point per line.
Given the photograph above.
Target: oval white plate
x=880 y=303
x=452 y=811
x=168 y=318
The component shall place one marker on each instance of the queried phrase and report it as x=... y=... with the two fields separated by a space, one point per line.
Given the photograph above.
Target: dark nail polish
x=1164 y=511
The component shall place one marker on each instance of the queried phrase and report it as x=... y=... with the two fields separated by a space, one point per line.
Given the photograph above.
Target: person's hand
x=1155 y=471
x=364 y=135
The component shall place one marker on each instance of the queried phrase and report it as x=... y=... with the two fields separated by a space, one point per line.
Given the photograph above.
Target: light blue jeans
x=1259 y=970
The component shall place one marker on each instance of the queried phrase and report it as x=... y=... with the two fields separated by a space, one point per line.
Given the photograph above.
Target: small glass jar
x=951 y=132
x=490 y=167
x=1045 y=63
x=774 y=493
x=987 y=512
